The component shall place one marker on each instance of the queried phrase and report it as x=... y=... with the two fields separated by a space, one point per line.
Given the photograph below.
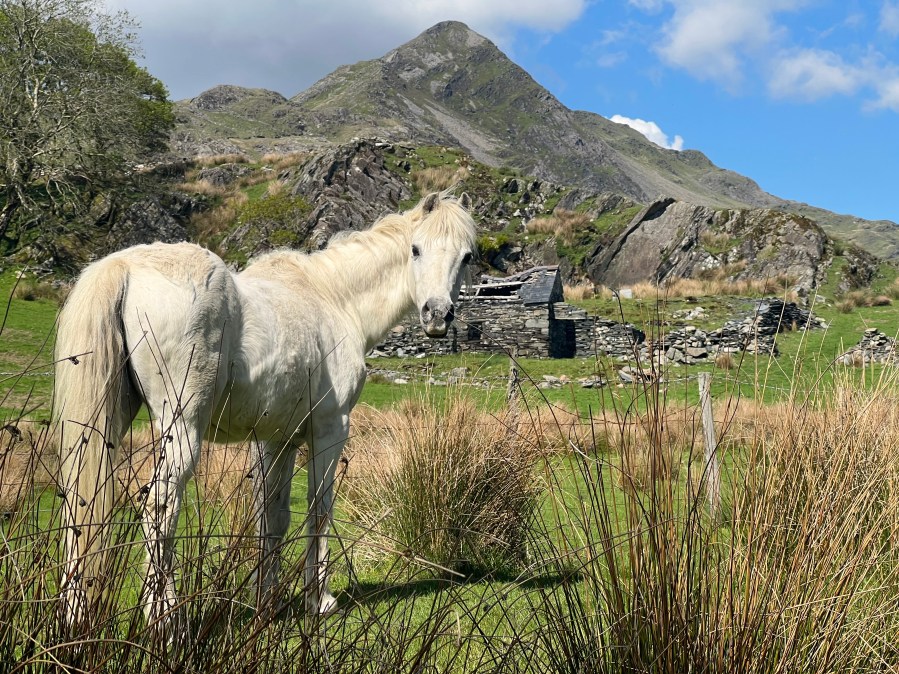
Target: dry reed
x=438 y=178
x=278 y=161
x=218 y=159
x=562 y=223
x=580 y=291
x=704 y=287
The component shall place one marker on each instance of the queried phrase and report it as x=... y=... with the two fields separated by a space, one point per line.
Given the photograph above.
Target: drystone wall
x=754 y=333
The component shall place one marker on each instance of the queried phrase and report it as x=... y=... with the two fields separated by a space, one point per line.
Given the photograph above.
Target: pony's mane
x=386 y=242
x=448 y=221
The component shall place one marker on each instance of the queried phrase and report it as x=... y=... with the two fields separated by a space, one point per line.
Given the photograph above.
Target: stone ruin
x=521 y=314
x=874 y=347
x=755 y=333
x=524 y=315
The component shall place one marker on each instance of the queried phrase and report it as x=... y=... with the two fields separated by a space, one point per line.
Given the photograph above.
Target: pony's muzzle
x=436 y=316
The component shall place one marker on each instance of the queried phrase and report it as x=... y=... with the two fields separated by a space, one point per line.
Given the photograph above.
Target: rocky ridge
x=349 y=186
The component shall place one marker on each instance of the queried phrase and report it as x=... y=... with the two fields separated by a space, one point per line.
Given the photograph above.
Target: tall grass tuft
x=712 y=285
x=580 y=291
x=438 y=178
x=445 y=483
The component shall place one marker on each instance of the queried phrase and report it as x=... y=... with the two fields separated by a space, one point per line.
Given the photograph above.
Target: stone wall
x=557 y=330
x=501 y=326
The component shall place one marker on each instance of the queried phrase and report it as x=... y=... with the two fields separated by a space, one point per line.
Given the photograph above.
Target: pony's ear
x=465 y=201
x=430 y=202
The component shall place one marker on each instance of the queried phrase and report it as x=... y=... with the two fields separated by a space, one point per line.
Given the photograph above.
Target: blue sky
x=800 y=95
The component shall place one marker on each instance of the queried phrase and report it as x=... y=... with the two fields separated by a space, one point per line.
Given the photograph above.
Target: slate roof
x=537 y=285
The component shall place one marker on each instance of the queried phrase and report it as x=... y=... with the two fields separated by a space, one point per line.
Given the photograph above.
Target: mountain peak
x=454 y=32
x=444 y=42
x=225 y=95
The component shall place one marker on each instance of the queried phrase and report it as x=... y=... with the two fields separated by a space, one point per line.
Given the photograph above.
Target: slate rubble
x=873 y=347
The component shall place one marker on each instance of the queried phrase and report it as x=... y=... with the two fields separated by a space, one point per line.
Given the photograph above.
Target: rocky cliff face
x=671 y=239
x=349 y=186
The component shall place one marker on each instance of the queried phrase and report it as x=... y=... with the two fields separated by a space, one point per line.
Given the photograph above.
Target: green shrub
x=276 y=209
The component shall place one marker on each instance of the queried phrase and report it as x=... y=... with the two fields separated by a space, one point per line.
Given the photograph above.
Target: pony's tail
x=91 y=410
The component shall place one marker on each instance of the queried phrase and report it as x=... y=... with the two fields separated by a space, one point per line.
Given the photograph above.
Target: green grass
x=26 y=352
x=26 y=343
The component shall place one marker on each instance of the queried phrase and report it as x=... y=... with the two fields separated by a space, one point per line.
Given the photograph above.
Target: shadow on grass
x=372 y=592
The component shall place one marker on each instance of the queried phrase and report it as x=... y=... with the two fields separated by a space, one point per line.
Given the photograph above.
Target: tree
x=77 y=112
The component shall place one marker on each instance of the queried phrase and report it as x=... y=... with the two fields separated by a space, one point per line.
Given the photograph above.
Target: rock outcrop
x=153 y=218
x=671 y=239
x=349 y=187
x=754 y=333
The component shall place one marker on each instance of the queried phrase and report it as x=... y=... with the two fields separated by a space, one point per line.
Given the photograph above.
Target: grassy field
x=606 y=555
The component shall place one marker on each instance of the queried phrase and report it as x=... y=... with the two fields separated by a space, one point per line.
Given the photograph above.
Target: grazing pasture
x=605 y=558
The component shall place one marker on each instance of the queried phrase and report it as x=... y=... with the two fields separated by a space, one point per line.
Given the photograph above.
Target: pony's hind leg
x=276 y=462
x=177 y=452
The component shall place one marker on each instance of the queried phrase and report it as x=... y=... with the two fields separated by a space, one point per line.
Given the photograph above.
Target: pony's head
x=443 y=241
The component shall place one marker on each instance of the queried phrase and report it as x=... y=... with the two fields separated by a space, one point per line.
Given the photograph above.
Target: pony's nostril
x=450 y=314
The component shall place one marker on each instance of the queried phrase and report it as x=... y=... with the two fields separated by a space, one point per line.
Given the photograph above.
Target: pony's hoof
x=325 y=606
x=328 y=605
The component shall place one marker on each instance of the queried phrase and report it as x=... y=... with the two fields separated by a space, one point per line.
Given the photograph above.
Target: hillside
x=451 y=86
x=601 y=237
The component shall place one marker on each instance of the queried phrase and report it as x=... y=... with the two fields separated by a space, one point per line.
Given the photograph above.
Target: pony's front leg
x=276 y=464
x=178 y=452
x=325 y=449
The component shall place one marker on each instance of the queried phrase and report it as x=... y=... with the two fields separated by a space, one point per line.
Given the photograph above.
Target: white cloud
x=611 y=59
x=811 y=74
x=286 y=46
x=889 y=18
x=887 y=93
x=652 y=132
x=647 y=5
x=712 y=38
x=495 y=15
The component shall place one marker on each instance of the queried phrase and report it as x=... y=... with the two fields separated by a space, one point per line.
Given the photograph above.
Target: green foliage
x=717 y=243
x=274 y=209
x=613 y=222
x=490 y=244
x=262 y=223
x=77 y=112
x=436 y=155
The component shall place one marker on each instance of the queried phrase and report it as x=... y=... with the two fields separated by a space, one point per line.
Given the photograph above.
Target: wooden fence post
x=712 y=471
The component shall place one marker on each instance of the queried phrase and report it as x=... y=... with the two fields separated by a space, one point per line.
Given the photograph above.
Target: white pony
x=275 y=353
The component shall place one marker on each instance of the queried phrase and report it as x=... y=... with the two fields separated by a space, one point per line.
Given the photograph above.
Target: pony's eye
x=415 y=251
x=467 y=258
